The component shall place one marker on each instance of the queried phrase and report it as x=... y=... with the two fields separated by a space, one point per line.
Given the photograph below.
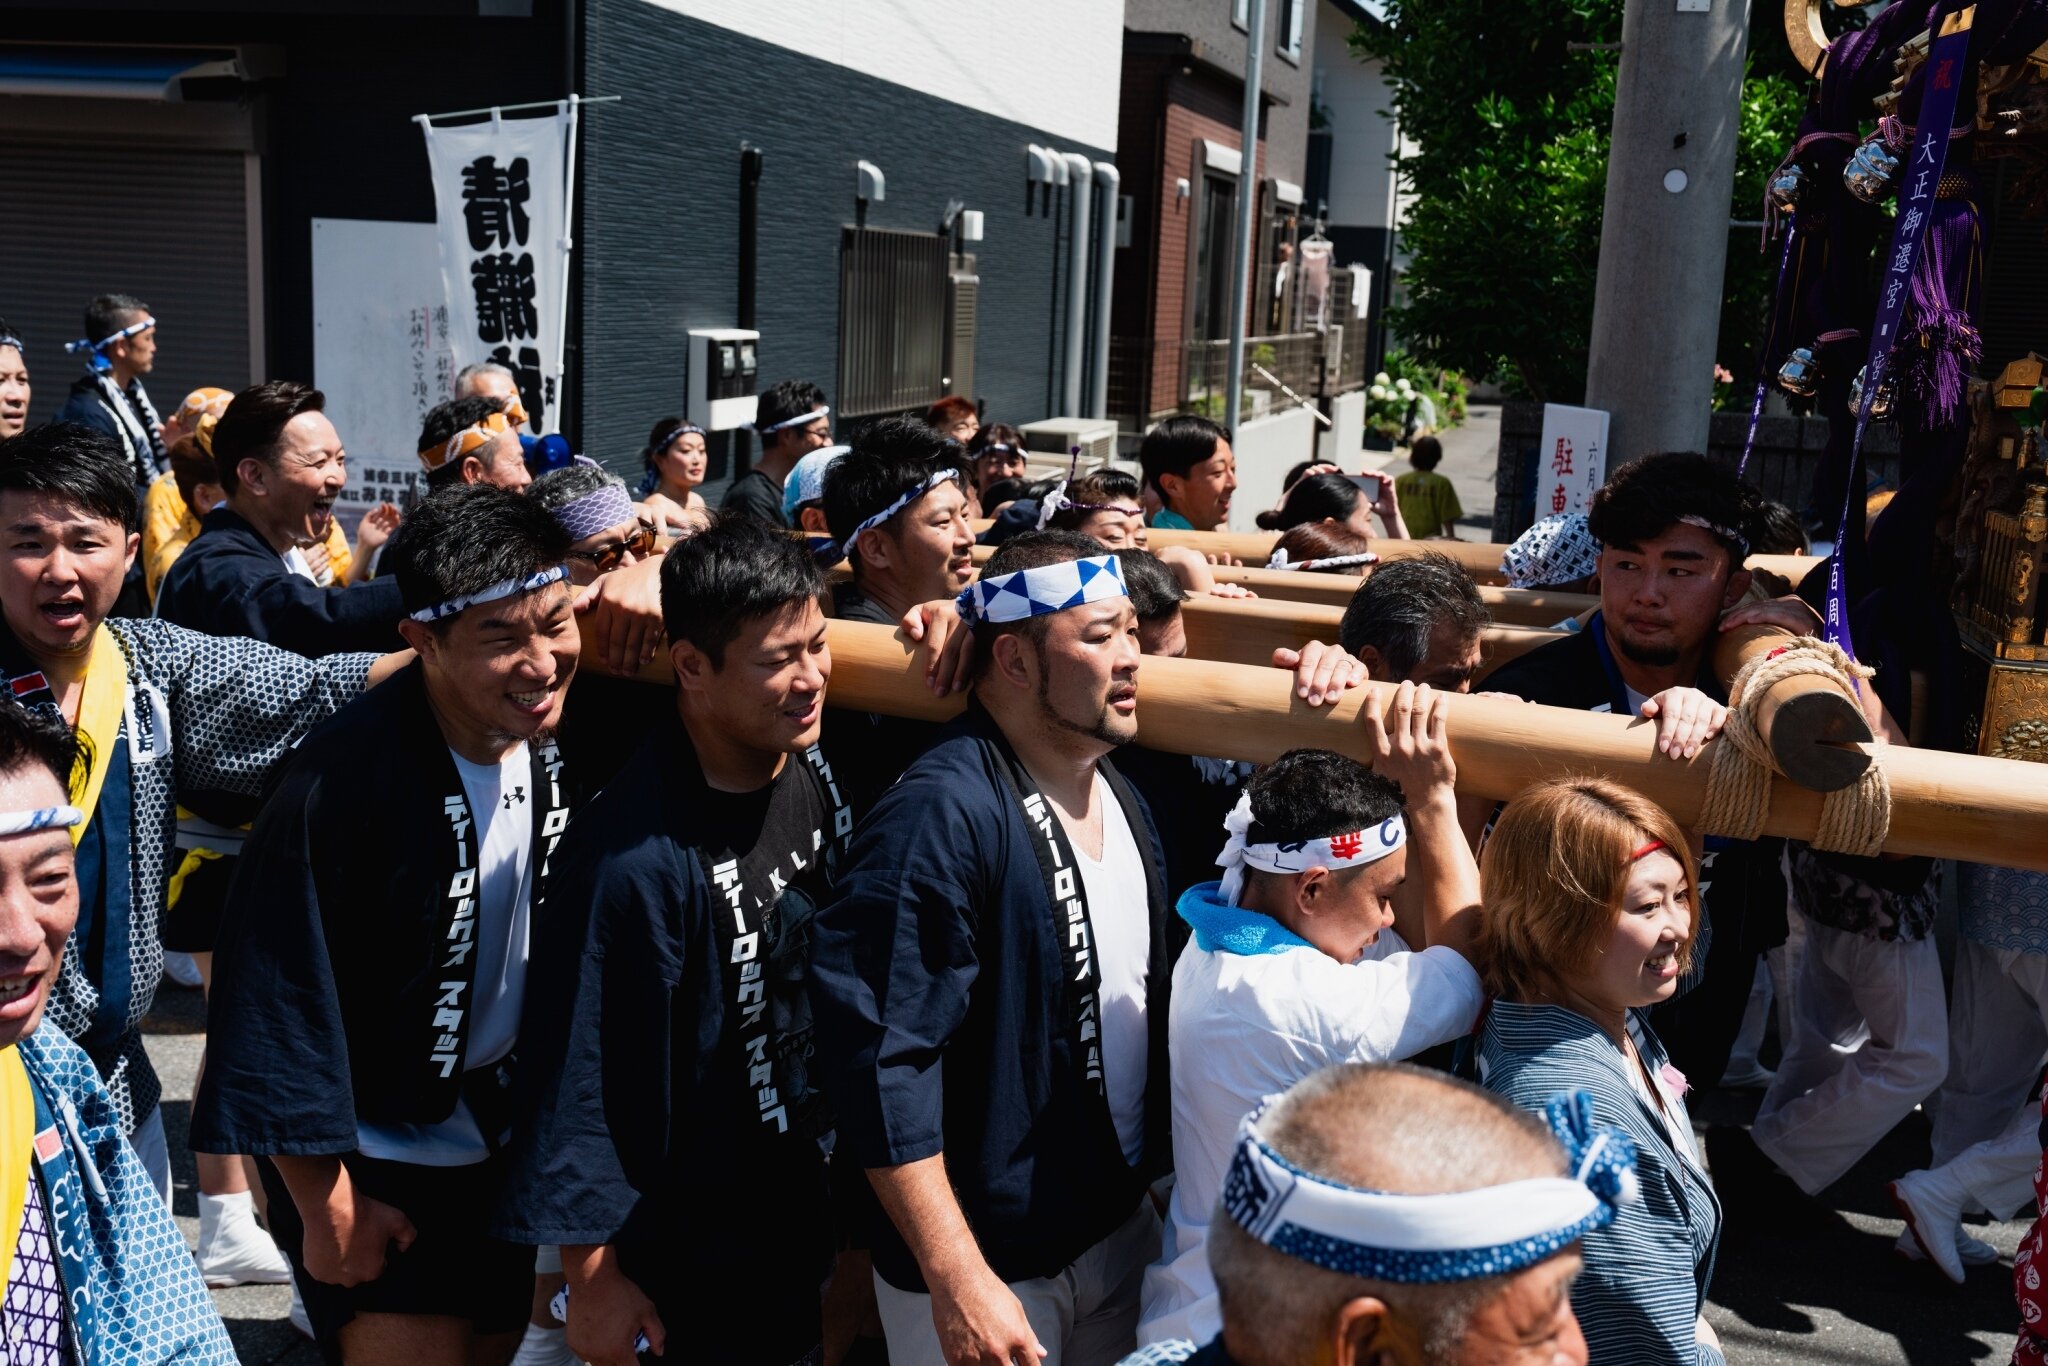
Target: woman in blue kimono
x=1592 y=914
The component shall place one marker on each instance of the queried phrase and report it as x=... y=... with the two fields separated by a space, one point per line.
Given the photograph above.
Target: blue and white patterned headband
x=1045 y=589
x=1557 y=549
x=14 y=342
x=441 y=611
x=799 y=420
x=601 y=509
x=904 y=500
x=1433 y=1239
x=96 y=351
x=42 y=818
x=1354 y=849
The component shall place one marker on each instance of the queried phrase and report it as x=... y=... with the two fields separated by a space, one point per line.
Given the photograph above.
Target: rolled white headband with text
x=1047 y=588
x=1351 y=850
x=441 y=611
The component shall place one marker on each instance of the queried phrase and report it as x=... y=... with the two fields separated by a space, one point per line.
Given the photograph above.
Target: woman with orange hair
x=1591 y=918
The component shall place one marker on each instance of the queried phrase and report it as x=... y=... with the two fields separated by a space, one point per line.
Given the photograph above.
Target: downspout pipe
x=1080 y=177
x=1247 y=196
x=1111 y=181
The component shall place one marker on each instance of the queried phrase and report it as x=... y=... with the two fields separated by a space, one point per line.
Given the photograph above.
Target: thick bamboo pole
x=1943 y=805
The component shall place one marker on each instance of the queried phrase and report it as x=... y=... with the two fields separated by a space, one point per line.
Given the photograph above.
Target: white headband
x=43 y=818
x=909 y=496
x=103 y=343
x=1431 y=1239
x=440 y=611
x=1047 y=588
x=1056 y=502
x=1725 y=533
x=1279 y=560
x=1353 y=850
x=799 y=420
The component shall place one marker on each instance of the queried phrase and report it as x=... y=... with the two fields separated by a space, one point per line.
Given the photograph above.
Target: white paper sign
x=380 y=350
x=500 y=201
x=1571 y=464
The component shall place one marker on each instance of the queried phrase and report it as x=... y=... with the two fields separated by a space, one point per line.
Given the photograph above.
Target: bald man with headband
x=1391 y=1216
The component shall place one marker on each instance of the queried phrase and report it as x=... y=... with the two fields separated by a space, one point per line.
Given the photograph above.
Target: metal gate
x=893 y=320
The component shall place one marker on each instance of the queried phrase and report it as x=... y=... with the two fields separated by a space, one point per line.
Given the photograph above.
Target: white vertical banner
x=1571 y=464
x=502 y=202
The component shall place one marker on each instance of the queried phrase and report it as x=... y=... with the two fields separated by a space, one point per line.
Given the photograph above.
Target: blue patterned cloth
x=2002 y=908
x=149 y=1305
x=32 y=1312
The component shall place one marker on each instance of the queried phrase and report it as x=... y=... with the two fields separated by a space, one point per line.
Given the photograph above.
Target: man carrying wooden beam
x=989 y=986
x=1674 y=530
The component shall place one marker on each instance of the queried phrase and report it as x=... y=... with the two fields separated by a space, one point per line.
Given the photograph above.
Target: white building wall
x=1051 y=64
x=1359 y=105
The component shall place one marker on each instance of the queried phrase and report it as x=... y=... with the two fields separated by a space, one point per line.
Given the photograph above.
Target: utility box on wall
x=724 y=371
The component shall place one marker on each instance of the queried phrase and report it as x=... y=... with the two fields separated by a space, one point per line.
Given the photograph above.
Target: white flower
x=1381 y=378
x=1378 y=391
x=1403 y=386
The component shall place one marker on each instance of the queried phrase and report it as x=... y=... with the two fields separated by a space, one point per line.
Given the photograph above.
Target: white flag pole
x=568 y=246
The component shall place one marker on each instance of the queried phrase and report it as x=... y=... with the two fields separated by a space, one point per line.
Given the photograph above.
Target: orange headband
x=470 y=438
x=201 y=402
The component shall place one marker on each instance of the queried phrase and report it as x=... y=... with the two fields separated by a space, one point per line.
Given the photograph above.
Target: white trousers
x=1085 y=1316
x=1869 y=1042
x=1998 y=1042
x=1998 y=1174
x=155 y=1151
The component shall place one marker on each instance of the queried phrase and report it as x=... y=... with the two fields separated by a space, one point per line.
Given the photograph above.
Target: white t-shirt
x=501 y=805
x=1245 y=1027
x=1122 y=921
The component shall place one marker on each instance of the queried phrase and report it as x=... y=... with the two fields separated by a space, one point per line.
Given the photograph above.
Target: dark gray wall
x=1208 y=23
x=660 y=215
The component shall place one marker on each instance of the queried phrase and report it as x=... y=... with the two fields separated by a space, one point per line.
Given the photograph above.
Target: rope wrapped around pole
x=1853 y=820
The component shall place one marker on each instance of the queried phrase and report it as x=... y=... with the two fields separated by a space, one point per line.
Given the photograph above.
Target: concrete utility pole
x=1247 y=201
x=1664 y=237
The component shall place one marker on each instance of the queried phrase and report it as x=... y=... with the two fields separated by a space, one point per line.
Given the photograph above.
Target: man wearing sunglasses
x=609 y=530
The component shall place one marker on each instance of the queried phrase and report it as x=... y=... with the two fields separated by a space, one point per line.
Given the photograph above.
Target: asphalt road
x=1798 y=1281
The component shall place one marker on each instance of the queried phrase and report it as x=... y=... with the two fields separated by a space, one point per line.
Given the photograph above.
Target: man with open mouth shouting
x=92 y=1270
x=159 y=712
x=373 y=953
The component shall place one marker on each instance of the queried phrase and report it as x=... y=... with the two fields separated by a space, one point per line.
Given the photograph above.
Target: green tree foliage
x=1503 y=232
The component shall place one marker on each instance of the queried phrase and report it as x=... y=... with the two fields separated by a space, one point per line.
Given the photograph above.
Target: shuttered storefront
x=167 y=224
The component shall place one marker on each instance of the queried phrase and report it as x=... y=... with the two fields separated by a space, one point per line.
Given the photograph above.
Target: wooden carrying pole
x=1508 y=606
x=1248 y=630
x=1943 y=805
x=1816 y=728
x=1479 y=559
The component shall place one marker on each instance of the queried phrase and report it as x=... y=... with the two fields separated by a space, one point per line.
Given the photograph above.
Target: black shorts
x=192 y=922
x=454 y=1267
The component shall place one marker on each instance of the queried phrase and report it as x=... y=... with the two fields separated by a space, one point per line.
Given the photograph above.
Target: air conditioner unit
x=1057 y=436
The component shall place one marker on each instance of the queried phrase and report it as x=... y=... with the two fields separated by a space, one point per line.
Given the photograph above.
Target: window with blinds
x=893 y=320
